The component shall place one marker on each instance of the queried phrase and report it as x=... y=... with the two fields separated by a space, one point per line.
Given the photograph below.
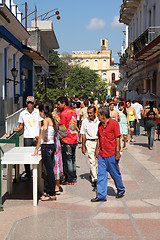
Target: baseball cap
x=30 y=99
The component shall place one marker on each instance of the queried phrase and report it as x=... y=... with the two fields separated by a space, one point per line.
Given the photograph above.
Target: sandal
x=48 y=198
x=57 y=192
x=44 y=194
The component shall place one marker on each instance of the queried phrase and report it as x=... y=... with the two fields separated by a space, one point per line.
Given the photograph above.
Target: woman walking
x=123 y=121
x=132 y=116
x=151 y=115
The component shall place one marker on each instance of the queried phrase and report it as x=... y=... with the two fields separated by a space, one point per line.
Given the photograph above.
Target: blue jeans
x=105 y=165
x=137 y=127
x=29 y=142
x=69 y=161
x=150 y=133
x=47 y=151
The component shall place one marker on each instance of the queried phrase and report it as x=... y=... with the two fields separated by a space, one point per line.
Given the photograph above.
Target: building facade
x=101 y=62
x=12 y=34
x=140 y=64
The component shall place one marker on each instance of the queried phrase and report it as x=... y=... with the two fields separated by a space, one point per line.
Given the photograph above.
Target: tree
x=81 y=82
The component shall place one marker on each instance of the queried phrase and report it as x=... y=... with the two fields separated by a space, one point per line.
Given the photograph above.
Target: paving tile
x=149 y=228
x=111 y=210
x=71 y=200
x=136 y=203
x=142 y=209
x=88 y=228
x=110 y=215
x=153 y=215
x=126 y=177
x=88 y=203
x=117 y=227
x=155 y=202
x=155 y=172
x=130 y=185
x=112 y=203
x=76 y=208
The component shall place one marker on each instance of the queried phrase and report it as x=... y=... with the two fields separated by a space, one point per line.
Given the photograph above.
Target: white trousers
x=91 y=146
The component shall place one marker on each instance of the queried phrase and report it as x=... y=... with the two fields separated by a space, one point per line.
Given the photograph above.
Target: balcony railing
x=141 y=42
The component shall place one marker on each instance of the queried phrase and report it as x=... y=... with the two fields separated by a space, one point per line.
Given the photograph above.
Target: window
x=104 y=64
x=87 y=63
x=104 y=76
x=95 y=64
x=113 y=77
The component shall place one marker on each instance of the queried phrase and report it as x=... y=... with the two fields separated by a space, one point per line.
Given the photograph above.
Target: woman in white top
x=47 y=150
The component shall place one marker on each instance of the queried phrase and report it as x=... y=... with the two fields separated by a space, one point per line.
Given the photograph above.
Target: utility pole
x=26 y=19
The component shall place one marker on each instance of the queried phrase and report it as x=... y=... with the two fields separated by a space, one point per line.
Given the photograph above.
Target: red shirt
x=107 y=137
x=69 y=119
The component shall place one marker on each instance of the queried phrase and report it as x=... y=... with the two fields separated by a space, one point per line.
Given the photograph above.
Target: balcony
x=147 y=44
x=127 y=10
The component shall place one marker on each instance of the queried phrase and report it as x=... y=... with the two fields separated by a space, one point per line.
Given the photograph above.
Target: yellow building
x=101 y=62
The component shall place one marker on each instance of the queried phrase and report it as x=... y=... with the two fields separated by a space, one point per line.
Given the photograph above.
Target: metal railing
x=11 y=122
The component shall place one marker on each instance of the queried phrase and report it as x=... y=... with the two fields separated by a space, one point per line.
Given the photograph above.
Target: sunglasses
x=30 y=102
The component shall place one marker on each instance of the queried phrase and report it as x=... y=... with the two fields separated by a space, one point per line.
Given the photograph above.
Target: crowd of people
x=103 y=129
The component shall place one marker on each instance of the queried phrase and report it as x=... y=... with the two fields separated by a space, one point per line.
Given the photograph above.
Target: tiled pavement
x=74 y=217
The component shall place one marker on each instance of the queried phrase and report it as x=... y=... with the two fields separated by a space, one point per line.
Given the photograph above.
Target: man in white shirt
x=89 y=130
x=138 y=108
x=30 y=120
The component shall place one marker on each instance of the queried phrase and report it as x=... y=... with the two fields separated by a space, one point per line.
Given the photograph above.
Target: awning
x=37 y=57
x=150 y=51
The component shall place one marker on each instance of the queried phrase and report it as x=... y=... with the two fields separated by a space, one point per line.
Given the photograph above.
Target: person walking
x=132 y=116
x=123 y=120
x=89 y=130
x=69 y=119
x=30 y=120
x=151 y=115
x=108 y=154
x=139 y=109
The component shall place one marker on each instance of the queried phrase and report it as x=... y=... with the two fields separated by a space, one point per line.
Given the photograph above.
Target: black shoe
x=98 y=200
x=94 y=184
x=120 y=195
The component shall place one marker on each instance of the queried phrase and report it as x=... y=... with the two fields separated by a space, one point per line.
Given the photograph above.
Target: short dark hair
x=92 y=107
x=63 y=99
x=105 y=110
x=86 y=103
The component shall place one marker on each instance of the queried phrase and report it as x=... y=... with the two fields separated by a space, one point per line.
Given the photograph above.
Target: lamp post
x=14 y=73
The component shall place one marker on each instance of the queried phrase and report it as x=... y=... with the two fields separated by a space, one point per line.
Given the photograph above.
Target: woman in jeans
x=151 y=114
x=47 y=150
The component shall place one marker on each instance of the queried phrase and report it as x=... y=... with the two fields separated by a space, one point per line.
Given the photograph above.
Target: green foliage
x=70 y=81
x=81 y=82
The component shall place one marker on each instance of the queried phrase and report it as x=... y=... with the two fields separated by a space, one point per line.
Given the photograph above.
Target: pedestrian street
x=73 y=217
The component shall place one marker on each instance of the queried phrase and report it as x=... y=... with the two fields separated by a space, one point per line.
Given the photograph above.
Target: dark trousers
x=150 y=133
x=47 y=151
x=29 y=142
x=69 y=161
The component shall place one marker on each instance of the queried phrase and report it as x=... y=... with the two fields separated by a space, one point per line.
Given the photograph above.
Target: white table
x=23 y=155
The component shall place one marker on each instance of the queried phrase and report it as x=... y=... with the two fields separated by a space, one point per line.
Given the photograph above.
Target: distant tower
x=104 y=44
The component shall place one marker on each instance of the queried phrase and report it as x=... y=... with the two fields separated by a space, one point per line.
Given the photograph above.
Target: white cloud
x=115 y=23
x=95 y=24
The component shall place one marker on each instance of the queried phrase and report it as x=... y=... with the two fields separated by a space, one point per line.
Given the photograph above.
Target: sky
x=83 y=23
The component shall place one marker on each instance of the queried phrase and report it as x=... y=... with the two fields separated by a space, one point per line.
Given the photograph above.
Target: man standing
x=68 y=118
x=138 y=108
x=89 y=130
x=30 y=120
x=108 y=154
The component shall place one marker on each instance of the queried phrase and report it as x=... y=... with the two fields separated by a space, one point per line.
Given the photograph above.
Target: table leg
x=35 y=166
x=17 y=173
x=9 y=179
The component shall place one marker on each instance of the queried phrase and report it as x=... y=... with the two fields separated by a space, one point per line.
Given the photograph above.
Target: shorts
x=131 y=124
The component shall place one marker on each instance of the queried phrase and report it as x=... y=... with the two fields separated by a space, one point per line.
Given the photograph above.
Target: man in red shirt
x=108 y=154
x=69 y=119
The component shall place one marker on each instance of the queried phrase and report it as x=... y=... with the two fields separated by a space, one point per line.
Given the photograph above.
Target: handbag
x=62 y=131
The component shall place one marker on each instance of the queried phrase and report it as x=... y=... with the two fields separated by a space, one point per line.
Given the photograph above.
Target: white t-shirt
x=31 y=123
x=138 y=108
x=90 y=128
